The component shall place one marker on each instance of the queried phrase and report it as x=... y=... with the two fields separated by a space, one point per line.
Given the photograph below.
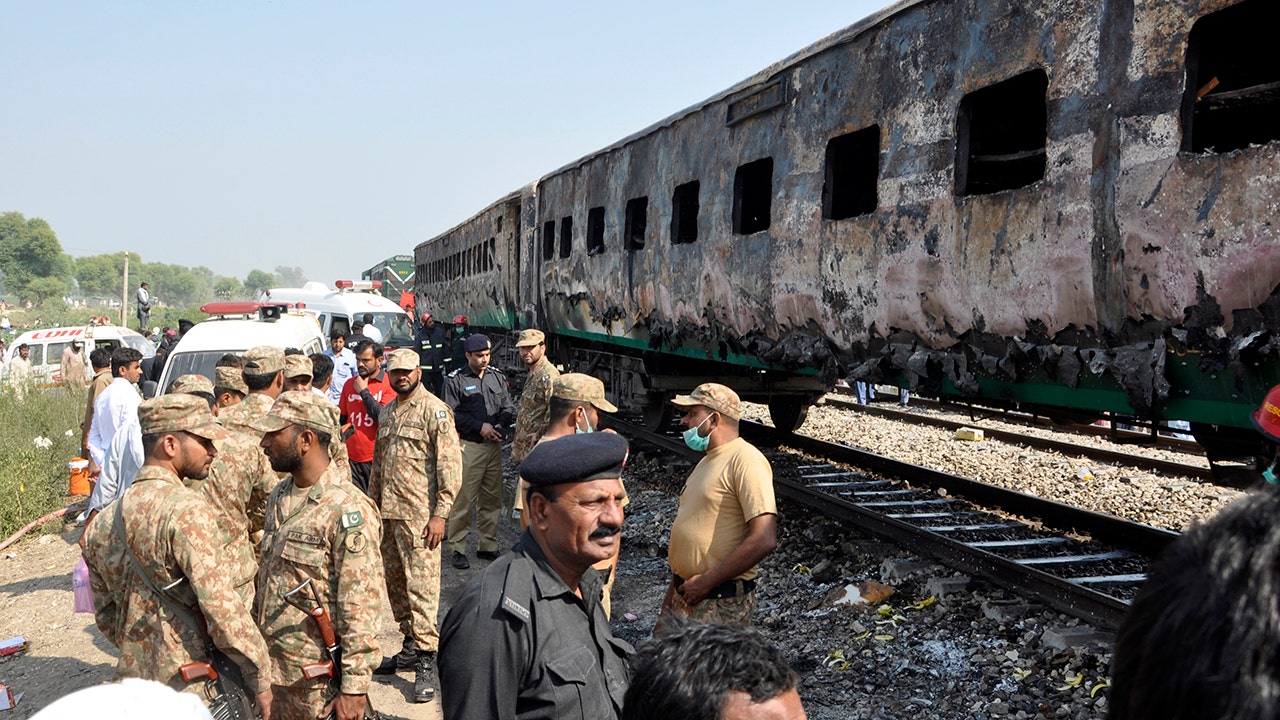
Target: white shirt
x=373 y=333
x=124 y=460
x=113 y=408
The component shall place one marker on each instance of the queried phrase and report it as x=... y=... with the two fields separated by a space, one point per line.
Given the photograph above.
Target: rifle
x=224 y=683
x=332 y=667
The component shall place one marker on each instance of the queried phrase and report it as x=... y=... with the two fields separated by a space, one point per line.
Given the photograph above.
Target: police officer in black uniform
x=483 y=412
x=528 y=637
x=430 y=341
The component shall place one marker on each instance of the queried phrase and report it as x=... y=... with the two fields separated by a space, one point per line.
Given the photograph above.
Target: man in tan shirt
x=727 y=522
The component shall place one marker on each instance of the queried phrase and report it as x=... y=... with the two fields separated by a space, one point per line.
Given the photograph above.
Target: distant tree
x=176 y=285
x=103 y=275
x=43 y=289
x=290 y=277
x=257 y=281
x=228 y=289
x=29 y=250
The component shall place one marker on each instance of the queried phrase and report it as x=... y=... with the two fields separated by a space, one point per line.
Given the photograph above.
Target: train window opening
x=493 y=253
x=548 y=240
x=636 y=221
x=851 y=172
x=566 y=237
x=595 y=231
x=1232 y=98
x=1001 y=135
x=752 y=196
x=684 y=214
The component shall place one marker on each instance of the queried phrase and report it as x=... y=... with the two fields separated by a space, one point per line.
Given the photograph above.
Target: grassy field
x=35 y=448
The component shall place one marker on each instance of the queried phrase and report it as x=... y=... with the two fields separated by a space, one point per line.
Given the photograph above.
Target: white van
x=234 y=327
x=351 y=301
x=46 y=347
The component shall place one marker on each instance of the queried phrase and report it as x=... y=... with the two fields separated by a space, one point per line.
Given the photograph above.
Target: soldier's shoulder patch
x=442 y=414
x=351 y=519
x=356 y=542
x=546 y=378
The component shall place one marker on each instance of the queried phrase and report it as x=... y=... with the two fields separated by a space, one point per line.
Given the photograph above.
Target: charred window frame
x=548 y=240
x=595 y=231
x=566 y=236
x=1001 y=135
x=852 y=172
x=753 y=196
x=684 y=214
x=636 y=221
x=1232 y=99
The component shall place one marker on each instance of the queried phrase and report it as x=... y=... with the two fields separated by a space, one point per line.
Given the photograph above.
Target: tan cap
x=230 y=377
x=715 y=396
x=530 y=337
x=402 y=359
x=264 y=360
x=299 y=407
x=179 y=413
x=192 y=384
x=297 y=366
x=579 y=387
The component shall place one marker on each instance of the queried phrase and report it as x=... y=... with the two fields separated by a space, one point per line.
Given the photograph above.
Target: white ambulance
x=234 y=327
x=46 y=345
x=349 y=301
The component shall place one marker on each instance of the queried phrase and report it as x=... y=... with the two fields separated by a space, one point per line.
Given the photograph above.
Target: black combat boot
x=403 y=660
x=424 y=682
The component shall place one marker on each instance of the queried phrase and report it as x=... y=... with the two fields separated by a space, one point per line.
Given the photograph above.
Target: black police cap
x=574 y=459
x=475 y=343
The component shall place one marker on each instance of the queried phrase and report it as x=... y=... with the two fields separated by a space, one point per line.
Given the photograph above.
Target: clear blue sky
x=330 y=135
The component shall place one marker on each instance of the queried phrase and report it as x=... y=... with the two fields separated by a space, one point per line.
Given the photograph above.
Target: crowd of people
x=245 y=527
x=234 y=513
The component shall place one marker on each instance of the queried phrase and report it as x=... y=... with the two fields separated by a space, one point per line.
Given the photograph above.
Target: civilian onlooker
x=1201 y=638
x=144 y=305
x=344 y=364
x=71 y=367
x=100 y=359
x=711 y=672
x=321 y=373
x=118 y=403
x=370 y=330
x=362 y=399
x=20 y=372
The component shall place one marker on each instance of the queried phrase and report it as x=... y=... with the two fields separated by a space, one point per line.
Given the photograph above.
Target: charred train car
x=1067 y=204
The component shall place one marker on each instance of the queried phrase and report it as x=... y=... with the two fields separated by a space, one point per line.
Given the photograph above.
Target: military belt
x=729 y=589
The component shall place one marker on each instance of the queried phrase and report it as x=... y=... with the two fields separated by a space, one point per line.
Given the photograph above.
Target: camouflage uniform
x=172 y=533
x=534 y=412
x=333 y=540
x=237 y=488
x=417 y=470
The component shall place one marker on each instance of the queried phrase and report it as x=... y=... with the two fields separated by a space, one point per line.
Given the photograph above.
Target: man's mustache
x=605 y=531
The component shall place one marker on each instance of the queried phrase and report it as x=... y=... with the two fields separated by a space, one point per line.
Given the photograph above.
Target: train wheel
x=657 y=414
x=788 y=415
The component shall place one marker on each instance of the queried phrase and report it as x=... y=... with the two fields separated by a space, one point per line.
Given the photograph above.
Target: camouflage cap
x=714 y=396
x=297 y=366
x=264 y=360
x=579 y=387
x=177 y=412
x=299 y=407
x=191 y=384
x=231 y=378
x=402 y=359
x=530 y=337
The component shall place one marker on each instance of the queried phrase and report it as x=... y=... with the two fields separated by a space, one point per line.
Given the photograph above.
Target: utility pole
x=124 y=292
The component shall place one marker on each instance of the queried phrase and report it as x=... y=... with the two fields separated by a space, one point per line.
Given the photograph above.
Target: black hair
x=366 y=344
x=292 y=351
x=336 y=333
x=220 y=390
x=260 y=381
x=1202 y=637
x=690 y=670
x=100 y=357
x=321 y=367
x=149 y=442
x=559 y=408
x=230 y=360
x=121 y=357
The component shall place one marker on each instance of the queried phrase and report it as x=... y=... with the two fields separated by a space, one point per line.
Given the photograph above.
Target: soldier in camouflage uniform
x=163 y=529
x=417 y=470
x=534 y=412
x=319 y=527
x=229 y=389
x=241 y=478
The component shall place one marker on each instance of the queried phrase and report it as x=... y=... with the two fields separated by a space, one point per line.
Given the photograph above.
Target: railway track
x=1041 y=443
x=1083 y=563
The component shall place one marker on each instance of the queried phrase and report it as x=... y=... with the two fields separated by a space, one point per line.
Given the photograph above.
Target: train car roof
x=835 y=39
x=514 y=194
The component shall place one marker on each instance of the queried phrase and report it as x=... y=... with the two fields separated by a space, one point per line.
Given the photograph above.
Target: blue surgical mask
x=459 y=330
x=1270 y=474
x=696 y=442
x=579 y=431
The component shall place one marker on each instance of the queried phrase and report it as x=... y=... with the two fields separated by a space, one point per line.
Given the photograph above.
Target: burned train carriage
x=1066 y=204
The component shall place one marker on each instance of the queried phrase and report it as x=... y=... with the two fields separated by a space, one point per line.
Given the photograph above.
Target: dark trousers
x=360 y=475
x=433 y=381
